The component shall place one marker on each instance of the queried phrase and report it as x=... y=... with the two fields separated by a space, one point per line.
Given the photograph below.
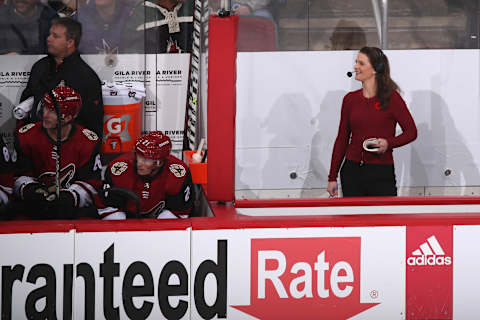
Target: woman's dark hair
x=385 y=85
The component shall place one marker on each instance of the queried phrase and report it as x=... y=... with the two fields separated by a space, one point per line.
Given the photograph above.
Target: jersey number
x=6 y=154
x=187 y=193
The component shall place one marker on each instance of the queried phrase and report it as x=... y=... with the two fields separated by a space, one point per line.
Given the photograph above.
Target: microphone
x=349 y=74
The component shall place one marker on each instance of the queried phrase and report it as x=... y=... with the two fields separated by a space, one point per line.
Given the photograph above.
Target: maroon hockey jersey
x=6 y=173
x=167 y=195
x=80 y=165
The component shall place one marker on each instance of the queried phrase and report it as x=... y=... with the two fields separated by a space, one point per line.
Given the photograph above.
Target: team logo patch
x=118 y=168
x=90 y=134
x=66 y=175
x=178 y=170
x=26 y=127
x=155 y=211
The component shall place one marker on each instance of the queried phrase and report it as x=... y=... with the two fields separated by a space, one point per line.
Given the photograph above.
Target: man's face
x=49 y=118
x=57 y=43
x=147 y=167
x=25 y=7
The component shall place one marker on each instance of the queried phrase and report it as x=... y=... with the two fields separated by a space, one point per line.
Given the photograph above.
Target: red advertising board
x=429 y=272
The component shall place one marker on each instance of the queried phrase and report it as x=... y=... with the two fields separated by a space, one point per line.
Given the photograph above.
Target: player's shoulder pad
x=177 y=167
x=92 y=136
x=118 y=168
x=26 y=128
x=178 y=170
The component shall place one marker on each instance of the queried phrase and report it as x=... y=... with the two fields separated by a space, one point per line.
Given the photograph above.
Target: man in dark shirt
x=64 y=63
x=24 y=26
x=103 y=24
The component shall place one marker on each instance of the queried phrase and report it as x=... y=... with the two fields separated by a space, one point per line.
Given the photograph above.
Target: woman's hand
x=382 y=146
x=332 y=188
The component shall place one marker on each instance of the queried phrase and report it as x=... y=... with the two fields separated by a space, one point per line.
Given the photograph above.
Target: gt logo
x=114 y=125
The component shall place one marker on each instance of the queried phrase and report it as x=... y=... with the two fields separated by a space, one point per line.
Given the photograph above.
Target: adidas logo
x=430 y=253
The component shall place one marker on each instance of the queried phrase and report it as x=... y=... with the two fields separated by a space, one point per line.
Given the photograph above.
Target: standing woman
x=370 y=112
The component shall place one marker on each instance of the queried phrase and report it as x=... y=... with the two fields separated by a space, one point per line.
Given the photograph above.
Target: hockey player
x=79 y=165
x=150 y=175
x=6 y=178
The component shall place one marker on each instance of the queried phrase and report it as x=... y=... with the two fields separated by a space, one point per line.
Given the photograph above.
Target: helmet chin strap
x=158 y=167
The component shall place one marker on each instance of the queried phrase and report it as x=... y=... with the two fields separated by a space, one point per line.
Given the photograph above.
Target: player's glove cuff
x=35 y=192
x=68 y=198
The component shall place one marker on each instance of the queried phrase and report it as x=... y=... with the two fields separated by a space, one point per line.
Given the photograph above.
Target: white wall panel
x=288 y=109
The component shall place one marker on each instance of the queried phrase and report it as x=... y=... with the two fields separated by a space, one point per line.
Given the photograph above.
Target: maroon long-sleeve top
x=362 y=118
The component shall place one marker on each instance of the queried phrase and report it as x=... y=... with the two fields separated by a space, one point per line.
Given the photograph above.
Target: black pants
x=367 y=179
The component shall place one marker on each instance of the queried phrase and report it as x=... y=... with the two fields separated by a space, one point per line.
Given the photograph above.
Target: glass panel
x=343 y=24
x=135 y=26
x=24 y=27
x=431 y=24
x=104 y=25
x=292 y=19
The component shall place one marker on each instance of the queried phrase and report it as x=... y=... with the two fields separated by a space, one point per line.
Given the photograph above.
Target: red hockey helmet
x=68 y=100
x=154 y=145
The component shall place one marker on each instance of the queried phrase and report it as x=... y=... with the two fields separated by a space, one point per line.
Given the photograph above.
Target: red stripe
x=47 y=226
x=132 y=225
x=364 y=201
x=227 y=217
x=84 y=186
x=35 y=226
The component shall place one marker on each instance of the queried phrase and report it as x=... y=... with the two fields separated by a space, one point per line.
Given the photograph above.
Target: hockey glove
x=66 y=204
x=35 y=192
x=120 y=198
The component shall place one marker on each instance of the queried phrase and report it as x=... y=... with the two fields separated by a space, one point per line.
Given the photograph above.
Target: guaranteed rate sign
x=292 y=273
x=87 y=275
x=303 y=278
x=109 y=273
